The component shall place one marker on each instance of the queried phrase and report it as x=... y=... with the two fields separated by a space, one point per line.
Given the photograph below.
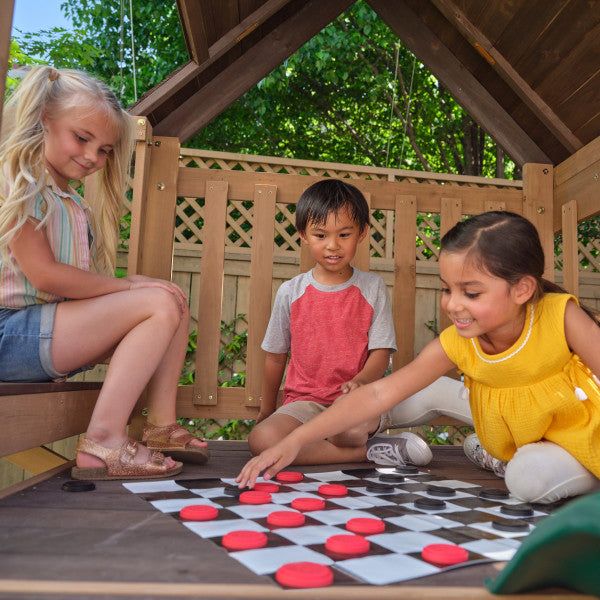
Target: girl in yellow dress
x=528 y=352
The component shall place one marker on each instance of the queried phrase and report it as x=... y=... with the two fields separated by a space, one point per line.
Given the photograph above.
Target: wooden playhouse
x=480 y=53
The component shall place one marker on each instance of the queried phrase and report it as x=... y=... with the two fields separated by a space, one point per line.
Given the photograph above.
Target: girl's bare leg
x=142 y=326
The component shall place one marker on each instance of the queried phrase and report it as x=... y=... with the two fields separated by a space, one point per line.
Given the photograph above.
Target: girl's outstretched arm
x=583 y=336
x=358 y=406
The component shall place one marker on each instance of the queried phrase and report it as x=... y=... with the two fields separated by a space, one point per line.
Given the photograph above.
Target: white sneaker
x=401 y=449
x=477 y=455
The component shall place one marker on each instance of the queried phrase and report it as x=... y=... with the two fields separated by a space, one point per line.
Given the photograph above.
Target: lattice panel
x=428 y=236
x=188 y=227
x=189 y=212
x=286 y=236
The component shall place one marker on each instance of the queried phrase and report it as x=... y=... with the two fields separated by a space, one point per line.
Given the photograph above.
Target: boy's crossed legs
x=445 y=396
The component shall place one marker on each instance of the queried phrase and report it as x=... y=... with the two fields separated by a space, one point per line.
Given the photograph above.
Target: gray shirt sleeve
x=277 y=338
x=381 y=332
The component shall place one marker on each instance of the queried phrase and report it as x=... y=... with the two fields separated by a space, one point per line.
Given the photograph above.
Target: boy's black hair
x=330 y=196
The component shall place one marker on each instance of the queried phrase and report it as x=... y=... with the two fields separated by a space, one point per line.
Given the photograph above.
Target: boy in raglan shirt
x=335 y=323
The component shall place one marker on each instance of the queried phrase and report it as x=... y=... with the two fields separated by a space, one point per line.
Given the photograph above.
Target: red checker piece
x=365 y=526
x=198 y=512
x=286 y=518
x=333 y=489
x=444 y=554
x=266 y=486
x=244 y=540
x=308 y=504
x=347 y=544
x=252 y=497
x=289 y=476
x=304 y=575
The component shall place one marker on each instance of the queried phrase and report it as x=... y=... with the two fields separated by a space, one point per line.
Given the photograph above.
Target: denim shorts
x=25 y=339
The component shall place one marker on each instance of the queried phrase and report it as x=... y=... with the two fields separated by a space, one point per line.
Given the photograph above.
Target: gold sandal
x=120 y=463
x=177 y=447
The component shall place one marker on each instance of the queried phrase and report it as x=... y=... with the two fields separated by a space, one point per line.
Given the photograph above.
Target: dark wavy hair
x=507 y=246
x=330 y=196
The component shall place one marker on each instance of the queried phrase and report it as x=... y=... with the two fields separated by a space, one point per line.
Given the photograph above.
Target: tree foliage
x=351 y=94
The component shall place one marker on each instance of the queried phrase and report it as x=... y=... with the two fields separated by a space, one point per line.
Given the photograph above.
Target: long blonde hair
x=51 y=92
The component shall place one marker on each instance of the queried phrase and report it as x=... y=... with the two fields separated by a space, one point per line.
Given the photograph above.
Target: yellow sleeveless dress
x=537 y=389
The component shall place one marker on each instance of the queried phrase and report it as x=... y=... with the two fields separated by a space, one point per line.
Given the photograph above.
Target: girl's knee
x=164 y=305
x=544 y=472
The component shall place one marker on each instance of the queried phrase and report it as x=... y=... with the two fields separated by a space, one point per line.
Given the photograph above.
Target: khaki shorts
x=305 y=410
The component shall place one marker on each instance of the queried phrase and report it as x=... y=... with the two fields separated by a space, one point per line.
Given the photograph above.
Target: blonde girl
x=61 y=308
x=528 y=353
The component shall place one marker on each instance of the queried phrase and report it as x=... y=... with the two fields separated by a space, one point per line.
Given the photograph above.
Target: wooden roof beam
x=192 y=23
x=497 y=61
x=254 y=64
x=463 y=86
x=157 y=95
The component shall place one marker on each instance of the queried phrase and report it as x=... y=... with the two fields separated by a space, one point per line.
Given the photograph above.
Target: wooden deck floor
x=111 y=544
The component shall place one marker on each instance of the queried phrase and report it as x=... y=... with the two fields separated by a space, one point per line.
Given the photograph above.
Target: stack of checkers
x=376 y=526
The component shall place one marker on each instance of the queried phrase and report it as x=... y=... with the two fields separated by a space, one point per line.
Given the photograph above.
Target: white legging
x=544 y=472
x=541 y=472
x=445 y=396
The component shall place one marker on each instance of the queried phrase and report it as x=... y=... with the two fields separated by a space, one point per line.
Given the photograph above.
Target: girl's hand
x=274 y=459
x=141 y=281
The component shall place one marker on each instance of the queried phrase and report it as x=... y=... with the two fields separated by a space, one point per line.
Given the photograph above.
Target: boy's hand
x=273 y=459
x=348 y=386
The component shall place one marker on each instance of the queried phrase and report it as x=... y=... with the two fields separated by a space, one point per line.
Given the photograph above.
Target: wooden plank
x=191 y=16
x=229 y=402
x=6 y=17
x=35 y=419
x=261 y=274
x=246 y=26
x=362 y=258
x=461 y=84
x=8 y=388
x=231 y=591
x=307 y=262
x=390 y=174
x=569 y=248
x=143 y=149
x=155 y=254
x=405 y=277
x=578 y=178
x=210 y=296
x=36 y=460
x=258 y=61
x=538 y=207
x=570 y=24
x=191 y=183
x=531 y=99
x=451 y=213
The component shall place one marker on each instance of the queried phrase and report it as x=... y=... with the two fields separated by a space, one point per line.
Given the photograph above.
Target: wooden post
x=569 y=249
x=261 y=276
x=538 y=200
x=6 y=17
x=451 y=213
x=143 y=150
x=210 y=298
x=153 y=219
x=362 y=258
x=405 y=279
